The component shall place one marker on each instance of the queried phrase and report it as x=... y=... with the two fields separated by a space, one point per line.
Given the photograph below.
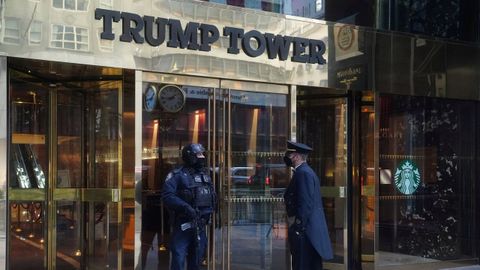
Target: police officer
x=188 y=192
x=308 y=232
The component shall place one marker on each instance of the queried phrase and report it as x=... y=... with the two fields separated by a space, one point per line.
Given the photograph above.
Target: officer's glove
x=190 y=212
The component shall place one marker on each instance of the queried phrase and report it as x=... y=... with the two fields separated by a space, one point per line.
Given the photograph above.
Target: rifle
x=195 y=226
x=196 y=223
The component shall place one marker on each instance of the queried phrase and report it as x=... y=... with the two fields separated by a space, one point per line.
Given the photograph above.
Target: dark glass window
x=238 y=3
x=359 y=12
x=456 y=20
x=445 y=19
x=428 y=166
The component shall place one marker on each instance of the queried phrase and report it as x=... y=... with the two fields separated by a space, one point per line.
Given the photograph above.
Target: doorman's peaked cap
x=298 y=147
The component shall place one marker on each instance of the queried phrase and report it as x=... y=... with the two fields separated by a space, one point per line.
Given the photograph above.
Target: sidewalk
x=396 y=261
x=474 y=267
x=2 y=258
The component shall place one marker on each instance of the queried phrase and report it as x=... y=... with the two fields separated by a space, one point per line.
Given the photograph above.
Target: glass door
x=66 y=173
x=322 y=124
x=253 y=227
x=28 y=173
x=85 y=196
x=243 y=128
x=166 y=128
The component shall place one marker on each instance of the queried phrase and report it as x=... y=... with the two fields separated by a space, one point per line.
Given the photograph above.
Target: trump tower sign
x=201 y=36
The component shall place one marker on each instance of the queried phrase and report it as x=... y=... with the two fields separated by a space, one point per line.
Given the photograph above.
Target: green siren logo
x=407 y=177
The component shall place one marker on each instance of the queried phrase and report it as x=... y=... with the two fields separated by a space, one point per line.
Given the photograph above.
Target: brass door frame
x=138 y=160
x=52 y=180
x=4 y=142
x=353 y=219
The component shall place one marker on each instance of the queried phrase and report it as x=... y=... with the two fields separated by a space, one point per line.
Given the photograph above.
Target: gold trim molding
x=73 y=194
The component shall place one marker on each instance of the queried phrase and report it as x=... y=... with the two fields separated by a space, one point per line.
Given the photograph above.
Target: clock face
x=150 y=98
x=171 y=98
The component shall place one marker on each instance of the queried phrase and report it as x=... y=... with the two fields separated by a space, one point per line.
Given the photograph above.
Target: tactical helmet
x=189 y=153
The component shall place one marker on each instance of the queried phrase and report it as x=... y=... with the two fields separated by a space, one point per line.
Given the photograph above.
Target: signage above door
x=201 y=36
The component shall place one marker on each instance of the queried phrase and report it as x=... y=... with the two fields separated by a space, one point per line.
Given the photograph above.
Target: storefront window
x=428 y=168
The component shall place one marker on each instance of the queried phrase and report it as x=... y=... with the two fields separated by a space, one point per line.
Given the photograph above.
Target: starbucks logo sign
x=407 y=177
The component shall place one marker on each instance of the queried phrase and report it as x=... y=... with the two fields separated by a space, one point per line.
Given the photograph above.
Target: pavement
x=2 y=254
x=471 y=267
x=397 y=261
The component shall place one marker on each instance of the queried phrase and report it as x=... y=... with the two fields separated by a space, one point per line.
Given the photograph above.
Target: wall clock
x=171 y=98
x=150 y=98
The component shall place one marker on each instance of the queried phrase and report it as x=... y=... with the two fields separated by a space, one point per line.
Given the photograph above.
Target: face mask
x=201 y=162
x=288 y=161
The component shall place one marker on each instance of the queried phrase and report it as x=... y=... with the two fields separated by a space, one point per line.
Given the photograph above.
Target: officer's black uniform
x=308 y=234
x=189 y=193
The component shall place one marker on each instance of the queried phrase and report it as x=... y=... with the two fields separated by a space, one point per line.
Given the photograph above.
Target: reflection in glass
x=357 y=12
x=257 y=223
x=87 y=130
x=70 y=130
x=164 y=135
x=444 y=19
x=73 y=226
x=38 y=173
x=18 y=163
x=322 y=125
x=29 y=114
x=69 y=244
x=27 y=168
x=27 y=237
x=254 y=216
x=436 y=138
x=103 y=116
x=367 y=178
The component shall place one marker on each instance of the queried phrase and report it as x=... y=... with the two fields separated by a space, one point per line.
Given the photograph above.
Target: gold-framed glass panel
x=243 y=129
x=255 y=231
x=164 y=133
x=66 y=174
x=28 y=171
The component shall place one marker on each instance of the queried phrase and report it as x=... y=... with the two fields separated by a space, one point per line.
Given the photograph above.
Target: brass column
x=3 y=160
x=50 y=187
